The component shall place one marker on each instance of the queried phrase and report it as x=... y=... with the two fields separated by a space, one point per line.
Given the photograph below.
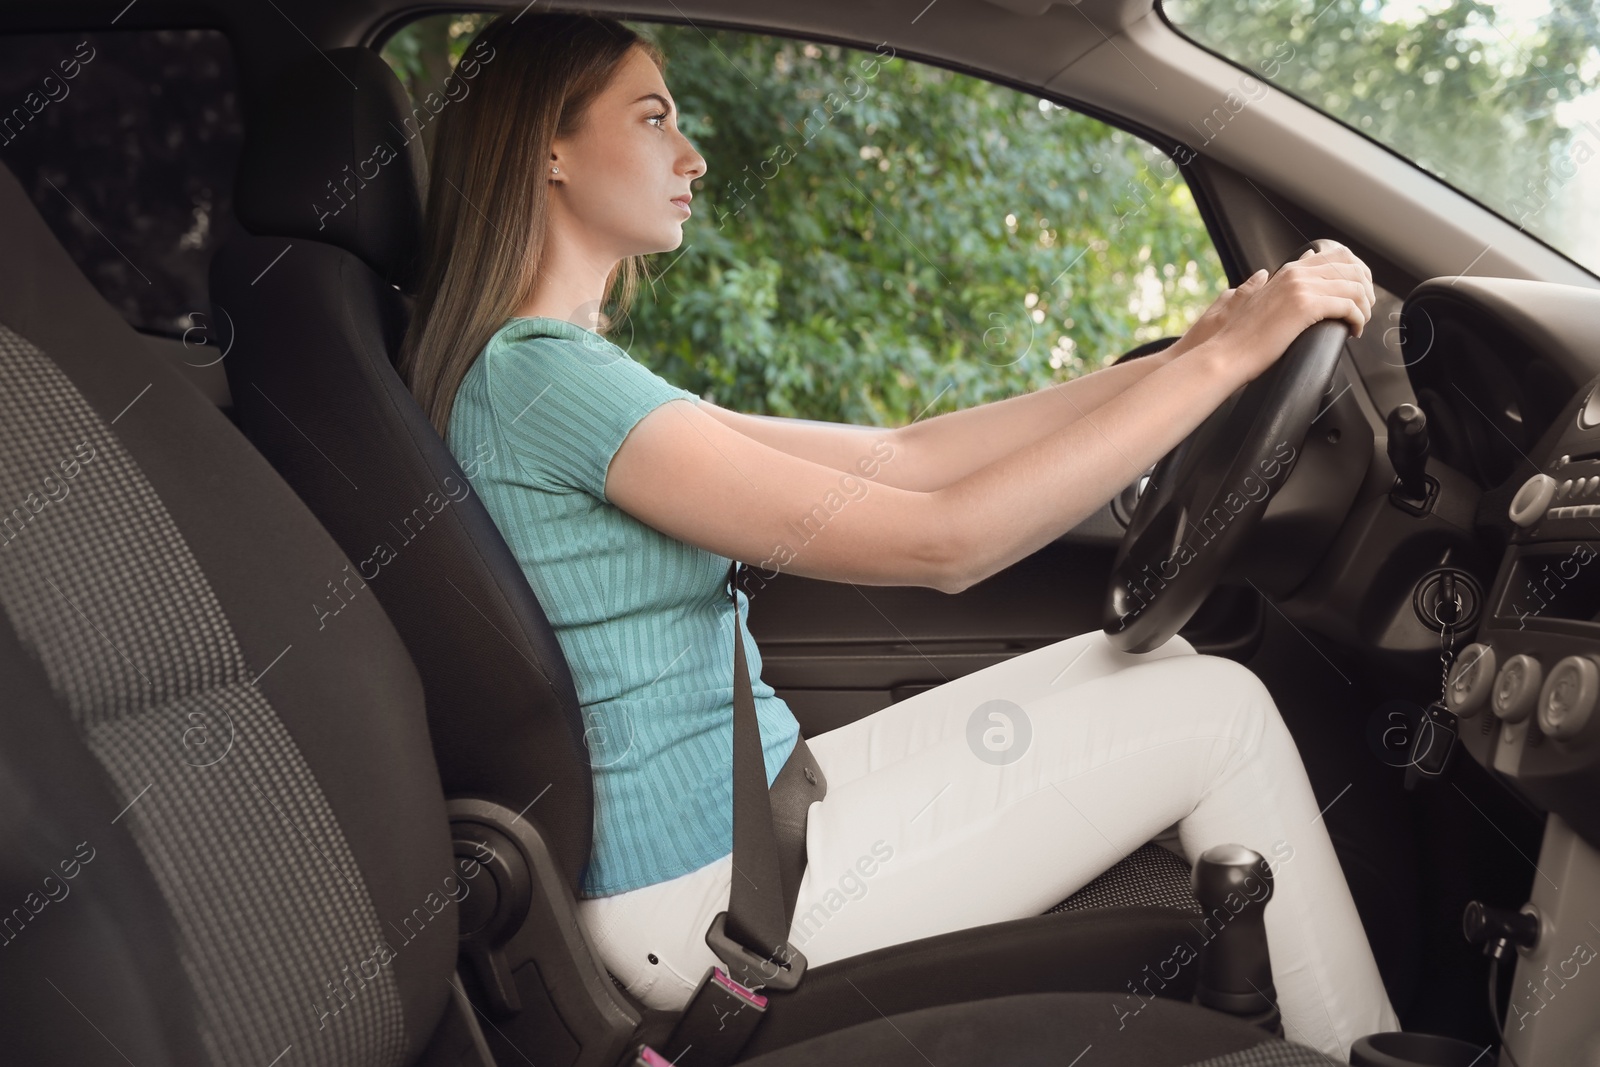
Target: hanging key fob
x=1433 y=743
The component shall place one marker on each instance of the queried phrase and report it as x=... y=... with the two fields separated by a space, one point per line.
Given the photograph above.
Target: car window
x=1502 y=100
x=127 y=142
x=877 y=239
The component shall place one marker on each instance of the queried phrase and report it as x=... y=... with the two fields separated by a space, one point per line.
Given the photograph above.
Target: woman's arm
x=949 y=447
x=946 y=448
x=693 y=478
x=935 y=453
x=932 y=453
x=685 y=473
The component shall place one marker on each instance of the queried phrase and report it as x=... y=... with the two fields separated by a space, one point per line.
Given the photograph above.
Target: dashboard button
x=1471 y=679
x=1516 y=688
x=1529 y=505
x=1568 y=697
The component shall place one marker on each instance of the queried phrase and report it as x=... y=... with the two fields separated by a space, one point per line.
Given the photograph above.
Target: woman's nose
x=697 y=166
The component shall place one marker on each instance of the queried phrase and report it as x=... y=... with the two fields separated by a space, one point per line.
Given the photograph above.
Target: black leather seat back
x=314 y=388
x=224 y=834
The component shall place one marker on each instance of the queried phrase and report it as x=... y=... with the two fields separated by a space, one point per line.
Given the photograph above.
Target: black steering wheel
x=1208 y=493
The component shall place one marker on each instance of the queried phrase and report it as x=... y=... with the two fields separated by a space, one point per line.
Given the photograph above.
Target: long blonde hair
x=488 y=198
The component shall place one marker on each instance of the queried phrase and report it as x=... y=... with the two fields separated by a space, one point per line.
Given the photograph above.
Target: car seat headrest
x=335 y=155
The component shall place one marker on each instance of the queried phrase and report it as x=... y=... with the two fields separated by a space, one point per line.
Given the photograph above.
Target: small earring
x=555 y=170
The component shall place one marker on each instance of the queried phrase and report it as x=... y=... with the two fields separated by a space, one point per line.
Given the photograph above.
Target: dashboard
x=1526 y=691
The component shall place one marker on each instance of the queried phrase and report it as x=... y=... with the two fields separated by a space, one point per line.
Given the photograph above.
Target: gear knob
x=1233 y=885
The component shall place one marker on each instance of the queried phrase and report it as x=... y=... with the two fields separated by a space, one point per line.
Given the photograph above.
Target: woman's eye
x=659 y=115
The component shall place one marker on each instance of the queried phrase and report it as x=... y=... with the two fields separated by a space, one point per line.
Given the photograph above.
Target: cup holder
x=1396 y=1049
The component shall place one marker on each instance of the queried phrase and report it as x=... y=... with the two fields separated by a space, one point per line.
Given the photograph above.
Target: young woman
x=625 y=498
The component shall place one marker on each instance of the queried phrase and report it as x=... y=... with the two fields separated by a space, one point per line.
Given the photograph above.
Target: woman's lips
x=683 y=202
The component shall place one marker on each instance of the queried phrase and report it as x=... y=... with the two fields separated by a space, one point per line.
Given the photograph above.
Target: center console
x=1525 y=694
x=1526 y=690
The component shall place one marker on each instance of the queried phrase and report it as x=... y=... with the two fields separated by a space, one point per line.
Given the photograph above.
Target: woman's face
x=619 y=176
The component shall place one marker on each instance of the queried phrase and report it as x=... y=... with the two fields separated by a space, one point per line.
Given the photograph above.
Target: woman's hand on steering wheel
x=1259 y=320
x=1221 y=309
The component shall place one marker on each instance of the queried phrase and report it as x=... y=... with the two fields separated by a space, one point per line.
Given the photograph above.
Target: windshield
x=1499 y=100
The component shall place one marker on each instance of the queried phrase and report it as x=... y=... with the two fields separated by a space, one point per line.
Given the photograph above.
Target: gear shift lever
x=1233 y=884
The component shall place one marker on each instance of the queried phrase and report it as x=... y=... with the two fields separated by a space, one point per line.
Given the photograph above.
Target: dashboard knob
x=1516 y=688
x=1531 y=501
x=1568 y=697
x=1589 y=415
x=1471 y=679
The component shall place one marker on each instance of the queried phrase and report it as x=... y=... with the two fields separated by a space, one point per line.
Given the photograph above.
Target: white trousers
x=994 y=796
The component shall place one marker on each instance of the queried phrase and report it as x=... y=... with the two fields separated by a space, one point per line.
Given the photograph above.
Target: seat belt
x=751 y=937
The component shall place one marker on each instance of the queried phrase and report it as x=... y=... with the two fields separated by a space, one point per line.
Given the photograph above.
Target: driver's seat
x=314 y=389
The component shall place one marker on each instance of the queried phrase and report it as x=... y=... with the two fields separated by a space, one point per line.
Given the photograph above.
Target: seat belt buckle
x=715 y=1027
x=649 y=1057
x=749 y=969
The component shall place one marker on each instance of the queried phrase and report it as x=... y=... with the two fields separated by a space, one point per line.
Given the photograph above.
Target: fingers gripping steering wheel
x=1206 y=495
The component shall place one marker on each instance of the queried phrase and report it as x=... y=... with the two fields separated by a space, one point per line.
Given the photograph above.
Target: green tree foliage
x=877 y=239
x=1471 y=92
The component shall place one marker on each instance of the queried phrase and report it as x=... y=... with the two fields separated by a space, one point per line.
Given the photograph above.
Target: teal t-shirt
x=643 y=618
